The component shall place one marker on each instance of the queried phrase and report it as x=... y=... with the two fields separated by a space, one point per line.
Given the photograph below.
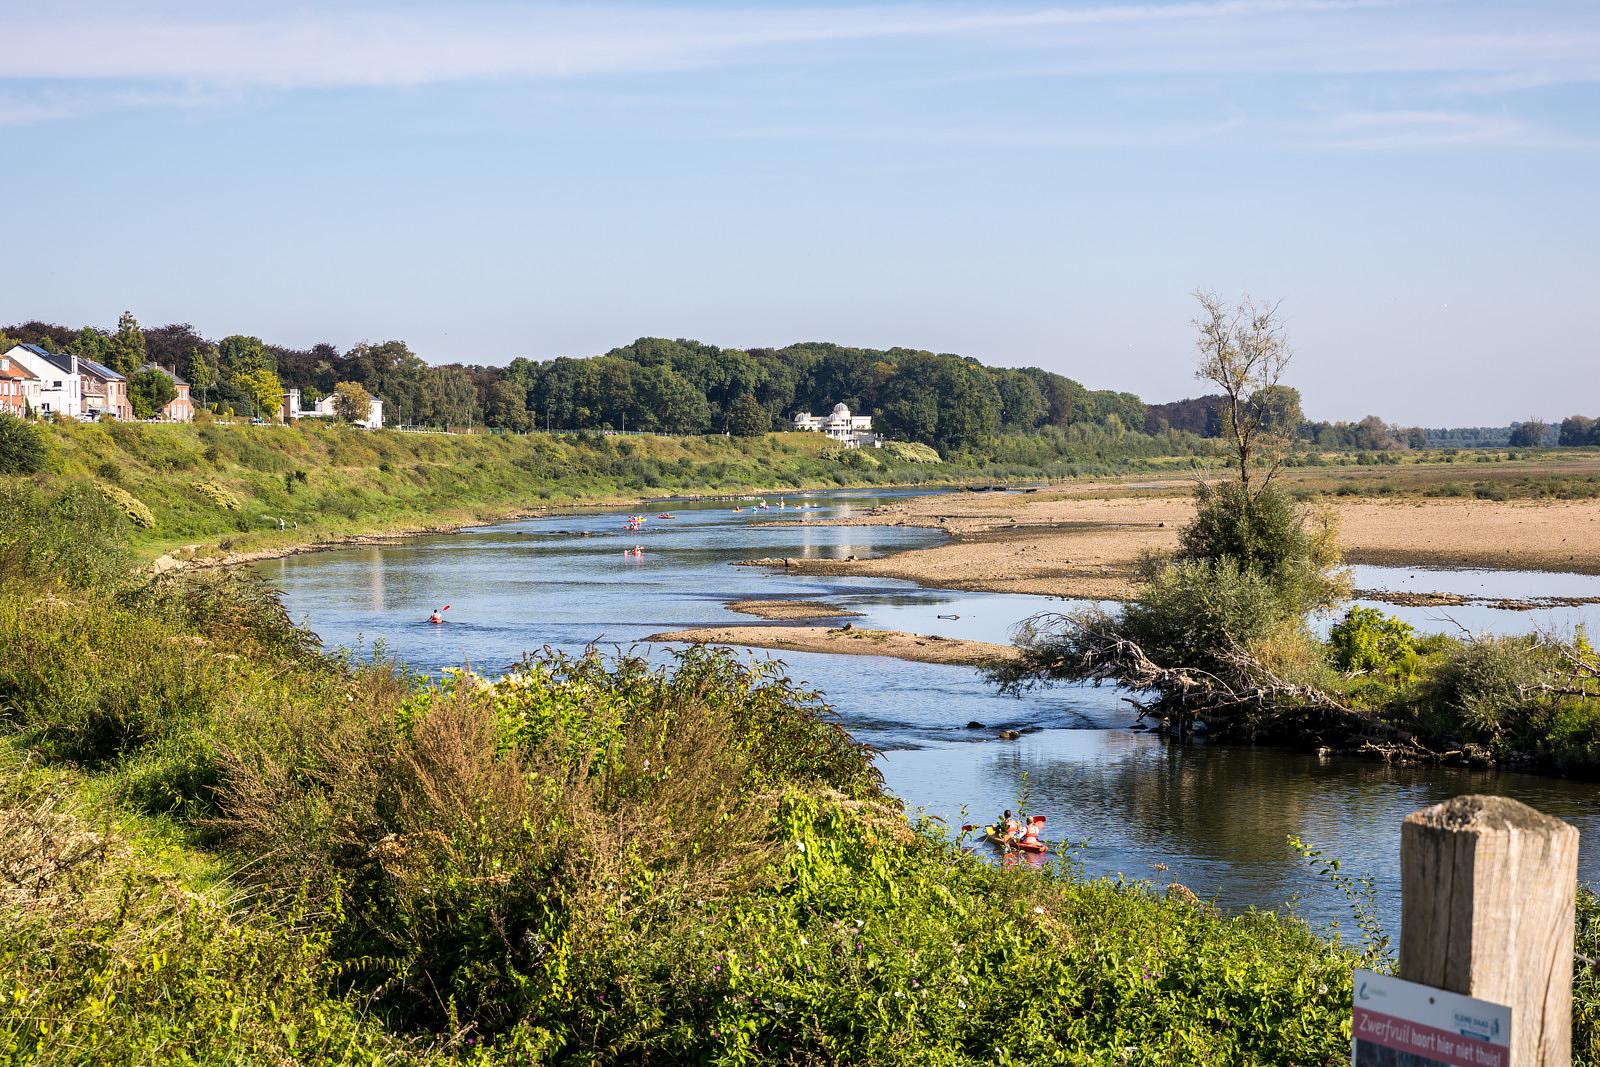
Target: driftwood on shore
x=1254 y=704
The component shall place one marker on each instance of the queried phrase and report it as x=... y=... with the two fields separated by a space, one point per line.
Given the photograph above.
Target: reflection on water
x=1217 y=817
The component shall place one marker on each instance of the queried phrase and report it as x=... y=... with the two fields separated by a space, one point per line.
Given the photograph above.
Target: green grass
x=218 y=845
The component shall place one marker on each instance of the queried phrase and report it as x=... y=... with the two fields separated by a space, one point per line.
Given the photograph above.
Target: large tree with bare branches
x=1243 y=351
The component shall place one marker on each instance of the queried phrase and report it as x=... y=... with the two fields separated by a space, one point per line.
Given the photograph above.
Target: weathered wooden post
x=1488 y=888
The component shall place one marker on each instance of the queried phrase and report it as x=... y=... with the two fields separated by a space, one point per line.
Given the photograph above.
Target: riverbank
x=1086 y=542
x=216 y=492
x=848 y=641
x=222 y=845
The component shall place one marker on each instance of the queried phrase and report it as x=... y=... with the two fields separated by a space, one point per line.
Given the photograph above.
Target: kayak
x=996 y=838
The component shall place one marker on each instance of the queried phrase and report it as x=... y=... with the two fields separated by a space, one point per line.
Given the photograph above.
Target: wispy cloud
x=410 y=46
x=1376 y=130
x=1350 y=74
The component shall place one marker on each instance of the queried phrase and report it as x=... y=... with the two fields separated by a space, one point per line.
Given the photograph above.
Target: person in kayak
x=1030 y=836
x=1008 y=825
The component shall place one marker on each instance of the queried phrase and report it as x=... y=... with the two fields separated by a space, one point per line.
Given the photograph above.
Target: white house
x=323 y=409
x=840 y=425
x=60 y=379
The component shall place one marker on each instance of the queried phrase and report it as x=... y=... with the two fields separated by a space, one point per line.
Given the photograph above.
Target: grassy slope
x=332 y=481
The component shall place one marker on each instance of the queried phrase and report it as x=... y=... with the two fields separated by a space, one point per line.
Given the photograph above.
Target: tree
x=506 y=407
x=202 y=369
x=149 y=391
x=1244 y=353
x=351 y=403
x=126 y=350
x=262 y=389
x=239 y=354
x=1579 y=430
x=1530 y=434
x=747 y=418
x=22 y=448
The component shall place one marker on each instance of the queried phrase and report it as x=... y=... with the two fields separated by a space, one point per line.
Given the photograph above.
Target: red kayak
x=1020 y=844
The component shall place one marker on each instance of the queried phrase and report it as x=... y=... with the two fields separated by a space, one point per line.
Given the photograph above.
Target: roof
x=170 y=374
x=59 y=360
x=13 y=369
x=99 y=370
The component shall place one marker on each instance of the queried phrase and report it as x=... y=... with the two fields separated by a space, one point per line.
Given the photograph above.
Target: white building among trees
x=326 y=409
x=839 y=425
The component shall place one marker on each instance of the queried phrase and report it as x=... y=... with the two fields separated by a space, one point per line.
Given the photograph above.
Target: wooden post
x=1488 y=888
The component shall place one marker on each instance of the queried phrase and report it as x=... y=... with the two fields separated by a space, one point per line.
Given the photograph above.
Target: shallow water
x=1217 y=817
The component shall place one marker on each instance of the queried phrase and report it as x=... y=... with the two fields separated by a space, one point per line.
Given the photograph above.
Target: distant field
x=1570 y=474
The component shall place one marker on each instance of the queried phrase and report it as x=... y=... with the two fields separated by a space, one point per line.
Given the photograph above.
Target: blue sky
x=1029 y=184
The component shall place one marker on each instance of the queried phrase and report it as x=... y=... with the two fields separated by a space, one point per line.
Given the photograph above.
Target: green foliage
x=1196 y=614
x=150 y=391
x=68 y=536
x=261 y=388
x=126 y=347
x=22 y=449
x=911 y=451
x=747 y=418
x=351 y=402
x=1366 y=640
x=132 y=508
x=217 y=495
x=1485 y=682
x=1267 y=533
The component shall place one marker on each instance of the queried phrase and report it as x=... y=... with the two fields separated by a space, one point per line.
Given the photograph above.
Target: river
x=1215 y=818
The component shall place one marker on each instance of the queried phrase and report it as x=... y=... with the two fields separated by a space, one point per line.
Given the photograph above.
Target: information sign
x=1405 y=1024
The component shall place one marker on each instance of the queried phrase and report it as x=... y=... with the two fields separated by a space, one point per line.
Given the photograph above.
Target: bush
x=217 y=495
x=132 y=508
x=1484 y=682
x=1266 y=532
x=488 y=838
x=1368 y=641
x=1195 y=614
x=71 y=537
x=22 y=449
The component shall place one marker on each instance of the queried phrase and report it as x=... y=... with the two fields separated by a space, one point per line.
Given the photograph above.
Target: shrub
x=911 y=451
x=490 y=836
x=1368 y=641
x=70 y=537
x=1485 y=681
x=132 y=508
x=1194 y=614
x=22 y=448
x=1268 y=533
x=217 y=495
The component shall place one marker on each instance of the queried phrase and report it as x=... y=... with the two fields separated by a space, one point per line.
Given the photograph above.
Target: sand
x=1069 y=543
x=849 y=642
x=783 y=610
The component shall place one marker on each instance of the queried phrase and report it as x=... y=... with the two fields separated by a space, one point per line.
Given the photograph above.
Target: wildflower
x=1038 y=910
x=961 y=1004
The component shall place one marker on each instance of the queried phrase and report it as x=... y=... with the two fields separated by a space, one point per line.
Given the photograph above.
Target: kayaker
x=1031 y=834
x=1009 y=826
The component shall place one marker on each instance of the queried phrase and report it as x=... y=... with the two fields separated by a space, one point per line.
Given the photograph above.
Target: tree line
x=653 y=384
x=951 y=402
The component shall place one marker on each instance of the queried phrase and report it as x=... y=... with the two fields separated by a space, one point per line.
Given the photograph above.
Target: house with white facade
x=854 y=431
x=323 y=409
x=60 y=380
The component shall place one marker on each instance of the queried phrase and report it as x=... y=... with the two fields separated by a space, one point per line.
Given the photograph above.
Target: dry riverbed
x=786 y=610
x=1070 y=543
x=848 y=641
